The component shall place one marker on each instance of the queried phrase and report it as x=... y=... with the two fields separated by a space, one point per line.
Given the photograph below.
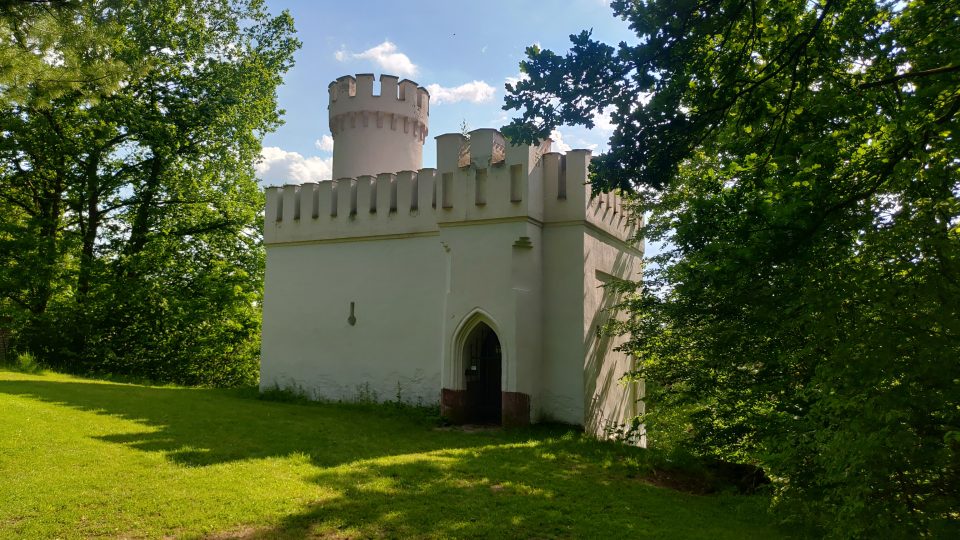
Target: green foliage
x=130 y=224
x=801 y=161
x=24 y=363
x=46 y=53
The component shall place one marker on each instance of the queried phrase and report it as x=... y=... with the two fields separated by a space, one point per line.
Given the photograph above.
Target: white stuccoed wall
x=507 y=235
x=308 y=343
x=563 y=344
x=607 y=401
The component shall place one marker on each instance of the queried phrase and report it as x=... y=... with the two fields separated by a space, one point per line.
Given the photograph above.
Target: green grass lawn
x=82 y=458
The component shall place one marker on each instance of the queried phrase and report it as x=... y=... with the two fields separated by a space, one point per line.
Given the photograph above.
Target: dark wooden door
x=483 y=376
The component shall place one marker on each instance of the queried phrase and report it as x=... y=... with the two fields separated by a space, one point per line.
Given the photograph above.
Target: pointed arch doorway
x=483 y=363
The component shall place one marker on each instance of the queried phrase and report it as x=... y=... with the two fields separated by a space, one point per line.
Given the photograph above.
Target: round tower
x=375 y=134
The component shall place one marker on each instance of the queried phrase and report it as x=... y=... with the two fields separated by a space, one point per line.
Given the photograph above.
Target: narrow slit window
x=393 y=195
x=480 y=180
x=415 y=193
x=562 y=179
x=372 y=197
x=314 y=203
x=353 y=198
x=296 y=204
x=447 y=190
x=516 y=179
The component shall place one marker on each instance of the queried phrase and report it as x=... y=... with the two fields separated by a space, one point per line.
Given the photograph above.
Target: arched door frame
x=456 y=362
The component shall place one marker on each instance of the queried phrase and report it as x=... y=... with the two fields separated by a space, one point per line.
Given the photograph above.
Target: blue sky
x=463 y=52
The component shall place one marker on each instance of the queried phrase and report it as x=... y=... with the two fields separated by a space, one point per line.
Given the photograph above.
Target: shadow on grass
x=549 y=488
x=393 y=475
x=198 y=427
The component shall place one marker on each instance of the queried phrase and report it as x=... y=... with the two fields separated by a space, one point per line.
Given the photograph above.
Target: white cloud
x=514 y=80
x=384 y=55
x=501 y=119
x=590 y=146
x=474 y=92
x=277 y=166
x=586 y=140
x=558 y=143
x=324 y=143
x=602 y=120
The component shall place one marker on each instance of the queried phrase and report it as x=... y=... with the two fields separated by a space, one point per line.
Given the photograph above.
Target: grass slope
x=81 y=458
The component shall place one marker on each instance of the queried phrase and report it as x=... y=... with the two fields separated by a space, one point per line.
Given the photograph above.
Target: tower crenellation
x=377 y=132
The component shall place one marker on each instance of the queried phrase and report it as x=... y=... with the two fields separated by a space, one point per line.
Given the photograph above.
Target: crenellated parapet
x=399 y=106
x=478 y=178
x=482 y=176
x=608 y=212
x=377 y=131
x=367 y=206
x=568 y=197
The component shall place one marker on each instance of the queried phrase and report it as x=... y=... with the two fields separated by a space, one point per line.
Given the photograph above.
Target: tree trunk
x=141 y=221
x=89 y=228
x=48 y=248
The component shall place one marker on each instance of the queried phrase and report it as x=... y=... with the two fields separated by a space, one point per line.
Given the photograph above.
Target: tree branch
x=910 y=75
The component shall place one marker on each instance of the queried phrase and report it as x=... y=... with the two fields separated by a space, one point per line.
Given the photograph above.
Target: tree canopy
x=800 y=159
x=129 y=212
x=44 y=53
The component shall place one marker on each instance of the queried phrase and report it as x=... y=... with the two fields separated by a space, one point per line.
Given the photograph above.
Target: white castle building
x=478 y=284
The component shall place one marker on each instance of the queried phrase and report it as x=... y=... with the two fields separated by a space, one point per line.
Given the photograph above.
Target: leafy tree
x=801 y=159
x=44 y=53
x=130 y=234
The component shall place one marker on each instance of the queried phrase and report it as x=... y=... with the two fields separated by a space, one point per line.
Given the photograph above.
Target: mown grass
x=82 y=458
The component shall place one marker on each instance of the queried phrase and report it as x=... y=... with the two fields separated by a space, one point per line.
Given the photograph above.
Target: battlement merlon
x=351 y=95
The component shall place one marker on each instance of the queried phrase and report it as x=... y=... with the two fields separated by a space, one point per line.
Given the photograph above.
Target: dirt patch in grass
x=240 y=533
x=713 y=477
x=679 y=481
x=471 y=428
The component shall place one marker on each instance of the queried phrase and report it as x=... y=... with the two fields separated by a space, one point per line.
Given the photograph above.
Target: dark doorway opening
x=482 y=358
